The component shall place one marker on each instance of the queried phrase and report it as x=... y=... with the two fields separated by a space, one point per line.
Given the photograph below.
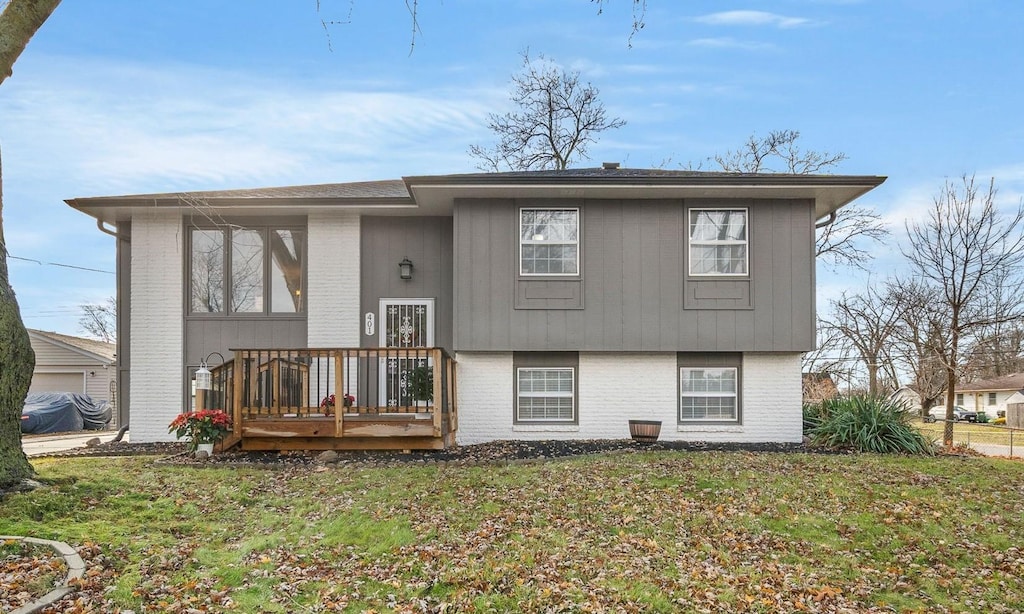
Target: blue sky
x=120 y=97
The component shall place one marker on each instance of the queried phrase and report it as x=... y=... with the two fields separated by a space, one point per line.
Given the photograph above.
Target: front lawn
x=660 y=531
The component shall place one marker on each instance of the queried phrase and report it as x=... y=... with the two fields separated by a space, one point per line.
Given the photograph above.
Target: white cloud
x=114 y=127
x=727 y=42
x=753 y=18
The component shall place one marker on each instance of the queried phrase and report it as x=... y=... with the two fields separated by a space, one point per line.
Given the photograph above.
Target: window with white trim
x=991 y=398
x=708 y=394
x=545 y=394
x=960 y=398
x=718 y=242
x=549 y=241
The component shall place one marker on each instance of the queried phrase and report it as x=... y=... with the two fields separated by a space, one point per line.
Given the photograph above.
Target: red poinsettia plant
x=328 y=403
x=203 y=426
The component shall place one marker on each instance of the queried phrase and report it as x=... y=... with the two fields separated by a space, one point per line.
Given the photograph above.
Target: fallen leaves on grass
x=665 y=531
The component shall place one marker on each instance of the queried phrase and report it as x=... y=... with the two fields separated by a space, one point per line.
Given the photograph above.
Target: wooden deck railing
x=298 y=392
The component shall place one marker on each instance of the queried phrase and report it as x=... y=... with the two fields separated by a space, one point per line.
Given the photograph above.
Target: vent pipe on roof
x=610 y=166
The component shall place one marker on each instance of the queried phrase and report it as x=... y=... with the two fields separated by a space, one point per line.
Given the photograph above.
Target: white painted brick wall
x=333 y=320
x=333 y=272
x=484 y=396
x=156 y=324
x=617 y=387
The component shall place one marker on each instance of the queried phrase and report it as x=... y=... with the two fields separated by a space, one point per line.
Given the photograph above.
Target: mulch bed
x=494 y=452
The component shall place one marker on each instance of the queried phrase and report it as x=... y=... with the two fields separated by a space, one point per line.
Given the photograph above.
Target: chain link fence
x=989 y=439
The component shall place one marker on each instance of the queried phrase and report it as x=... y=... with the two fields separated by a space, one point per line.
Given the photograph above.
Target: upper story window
x=549 y=241
x=249 y=269
x=718 y=242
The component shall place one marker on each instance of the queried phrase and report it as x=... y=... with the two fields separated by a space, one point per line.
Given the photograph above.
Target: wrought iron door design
x=406 y=324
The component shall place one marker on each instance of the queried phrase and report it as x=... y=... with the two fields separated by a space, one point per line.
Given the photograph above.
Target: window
x=246 y=270
x=545 y=394
x=991 y=398
x=960 y=399
x=718 y=241
x=708 y=394
x=549 y=241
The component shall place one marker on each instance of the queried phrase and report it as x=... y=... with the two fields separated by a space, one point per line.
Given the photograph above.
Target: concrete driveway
x=36 y=445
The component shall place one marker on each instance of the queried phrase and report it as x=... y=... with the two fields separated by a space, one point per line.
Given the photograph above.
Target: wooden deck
x=337 y=399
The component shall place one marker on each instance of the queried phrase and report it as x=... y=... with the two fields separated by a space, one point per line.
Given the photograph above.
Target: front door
x=404 y=323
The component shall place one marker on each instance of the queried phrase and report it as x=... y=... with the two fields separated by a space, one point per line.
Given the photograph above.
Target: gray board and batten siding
x=205 y=333
x=427 y=243
x=634 y=292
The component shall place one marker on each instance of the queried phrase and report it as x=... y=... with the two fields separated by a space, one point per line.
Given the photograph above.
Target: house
x=818 y=387
x=475 y=307
x=989 y=395
x=73 y=364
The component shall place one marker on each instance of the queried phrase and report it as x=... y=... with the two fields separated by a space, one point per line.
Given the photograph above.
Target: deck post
x=339 y=392
x=236 y=382
x=438 y=397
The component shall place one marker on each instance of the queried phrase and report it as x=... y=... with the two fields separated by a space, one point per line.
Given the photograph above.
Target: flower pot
x=645 y=431
x=204 y=447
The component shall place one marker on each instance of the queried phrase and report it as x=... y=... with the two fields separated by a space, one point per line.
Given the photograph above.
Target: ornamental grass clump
x=203 y=426
x=867 y=424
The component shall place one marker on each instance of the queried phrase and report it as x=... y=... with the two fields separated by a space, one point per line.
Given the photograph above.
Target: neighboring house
x=73 y=364
x=571 y=301
x=818 y=387
x=989 y=395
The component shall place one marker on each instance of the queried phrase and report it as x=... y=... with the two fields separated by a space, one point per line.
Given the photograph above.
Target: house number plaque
x=369 y=324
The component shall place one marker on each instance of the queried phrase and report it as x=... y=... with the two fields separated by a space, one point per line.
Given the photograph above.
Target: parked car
x=58 y=412
x=959 y=414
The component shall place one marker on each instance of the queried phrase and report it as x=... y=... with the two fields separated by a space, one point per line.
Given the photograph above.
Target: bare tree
x=556 y=119
x=18 y=22
x=921 y=333
x=963 y=247
x=869 y=322
x=839 y=239
x=100 y=320
x=998 y=346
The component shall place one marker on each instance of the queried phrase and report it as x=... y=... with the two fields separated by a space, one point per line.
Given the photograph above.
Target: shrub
x=868 y=424
x=813 y=416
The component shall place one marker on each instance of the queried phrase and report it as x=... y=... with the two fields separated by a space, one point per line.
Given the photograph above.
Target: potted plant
x=421 y=384
x=203 y=428
x=327 y=404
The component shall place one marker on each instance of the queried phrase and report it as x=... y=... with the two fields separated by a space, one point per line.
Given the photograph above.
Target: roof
x=436 y=194
x=100 y=350
x=1013 y=381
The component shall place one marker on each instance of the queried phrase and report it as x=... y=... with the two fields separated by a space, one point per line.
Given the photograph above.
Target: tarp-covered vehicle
x=59 y=412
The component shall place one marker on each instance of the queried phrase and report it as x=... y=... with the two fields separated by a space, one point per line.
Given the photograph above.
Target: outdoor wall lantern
x=204 y=380
x=405 y=269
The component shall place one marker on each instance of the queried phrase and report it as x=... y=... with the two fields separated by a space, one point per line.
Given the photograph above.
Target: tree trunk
x=17 y=360
x=947 y=432
x=19 y=21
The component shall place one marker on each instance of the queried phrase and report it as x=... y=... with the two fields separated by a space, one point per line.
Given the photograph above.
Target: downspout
x=831 y=218
x=113 y=233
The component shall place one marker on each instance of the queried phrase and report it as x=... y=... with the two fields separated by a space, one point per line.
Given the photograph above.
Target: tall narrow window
x=718 y=242
x=991 y=398
x=207 y=271
x=286 y=292
x=246 y=271
x=549 y=241
x=545 y=395
x=708 y=394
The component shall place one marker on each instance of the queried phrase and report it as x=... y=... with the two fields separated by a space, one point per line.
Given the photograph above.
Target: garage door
x=57 y=382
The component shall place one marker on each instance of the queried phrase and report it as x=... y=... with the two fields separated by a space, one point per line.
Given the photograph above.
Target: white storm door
x=403 y=323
